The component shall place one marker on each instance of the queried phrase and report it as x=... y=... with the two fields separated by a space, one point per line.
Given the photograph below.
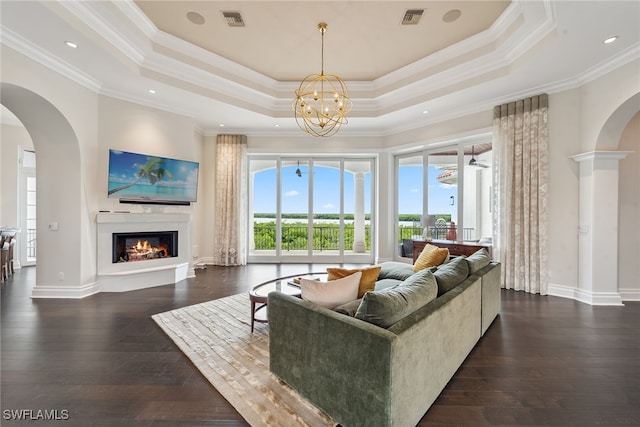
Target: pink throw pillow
x=333 y=293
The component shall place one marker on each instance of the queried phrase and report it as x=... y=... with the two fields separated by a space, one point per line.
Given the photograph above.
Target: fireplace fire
x=130 y=247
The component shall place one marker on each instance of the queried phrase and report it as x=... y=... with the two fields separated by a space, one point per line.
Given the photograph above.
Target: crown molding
x=37 y=54
x=105 y=26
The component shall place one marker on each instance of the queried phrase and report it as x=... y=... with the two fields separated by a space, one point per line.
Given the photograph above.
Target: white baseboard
x=591 y=298
x=73 y=292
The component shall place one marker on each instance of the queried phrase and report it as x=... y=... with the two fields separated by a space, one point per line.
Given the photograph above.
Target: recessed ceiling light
x=71 y=44
x=610 y=39
x=277 y=126
x=152 y=91
x=425 y=112
x=221 y=125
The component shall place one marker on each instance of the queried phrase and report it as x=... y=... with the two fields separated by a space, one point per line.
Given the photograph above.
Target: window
x=444 y=194
x=310 y=209
x=27 y=209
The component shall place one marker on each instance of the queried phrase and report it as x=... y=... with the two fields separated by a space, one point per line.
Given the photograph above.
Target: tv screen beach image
x=151 y=178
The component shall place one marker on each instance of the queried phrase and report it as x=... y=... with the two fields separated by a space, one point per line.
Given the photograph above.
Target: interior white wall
x=564 y=141
x=74 y=110
x=131 y=127
x=629 y=213
x=206 y=201
x=599 y=99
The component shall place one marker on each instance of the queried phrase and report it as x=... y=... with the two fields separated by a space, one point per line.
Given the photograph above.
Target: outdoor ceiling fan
x=299 y=172
x=474 y=162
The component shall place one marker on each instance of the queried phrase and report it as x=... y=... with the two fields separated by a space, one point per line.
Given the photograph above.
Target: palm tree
x=152 y=170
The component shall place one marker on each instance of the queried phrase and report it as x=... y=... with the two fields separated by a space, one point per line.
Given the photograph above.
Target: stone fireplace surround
x=129 y=276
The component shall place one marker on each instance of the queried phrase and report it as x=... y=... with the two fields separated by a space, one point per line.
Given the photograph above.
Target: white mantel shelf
x=129 y=276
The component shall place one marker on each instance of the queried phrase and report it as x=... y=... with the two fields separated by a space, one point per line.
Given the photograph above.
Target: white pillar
x=598 y=227
x=358 y=214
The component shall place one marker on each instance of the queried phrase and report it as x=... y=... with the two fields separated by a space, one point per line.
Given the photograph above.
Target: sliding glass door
x=310 y=209
x=444 y=194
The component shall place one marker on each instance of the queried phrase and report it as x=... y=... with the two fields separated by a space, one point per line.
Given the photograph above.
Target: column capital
x=600 y=155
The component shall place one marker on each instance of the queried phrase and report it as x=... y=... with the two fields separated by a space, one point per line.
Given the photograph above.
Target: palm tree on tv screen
x=152 y=170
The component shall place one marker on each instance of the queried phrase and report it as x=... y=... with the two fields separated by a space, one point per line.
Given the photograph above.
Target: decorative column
x=598 y=227
x=359 y=245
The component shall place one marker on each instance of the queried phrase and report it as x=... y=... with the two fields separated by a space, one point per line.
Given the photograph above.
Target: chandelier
x=322 y=101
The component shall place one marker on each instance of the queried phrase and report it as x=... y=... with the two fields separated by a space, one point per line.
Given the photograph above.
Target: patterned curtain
x=231 y=200
x=521 y=184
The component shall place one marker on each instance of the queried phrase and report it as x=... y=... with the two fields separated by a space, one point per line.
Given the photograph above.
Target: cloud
x=291 y=193
x=414 y=190
x=328 y=206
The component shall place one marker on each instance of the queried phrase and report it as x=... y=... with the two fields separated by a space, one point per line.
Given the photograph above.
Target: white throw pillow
x=333 y=293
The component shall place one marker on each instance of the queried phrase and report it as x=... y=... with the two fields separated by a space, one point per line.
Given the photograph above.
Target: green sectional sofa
x=362 y=374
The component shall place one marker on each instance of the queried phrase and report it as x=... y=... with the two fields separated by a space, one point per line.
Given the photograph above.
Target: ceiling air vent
x=412 y=16
x=234 y=19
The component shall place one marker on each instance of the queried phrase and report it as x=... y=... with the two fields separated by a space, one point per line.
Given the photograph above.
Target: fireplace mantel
x=128 y=276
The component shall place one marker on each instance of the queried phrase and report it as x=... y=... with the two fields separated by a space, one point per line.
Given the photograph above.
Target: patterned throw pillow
x=333 y=293
x=367 y=281
x=431 y=255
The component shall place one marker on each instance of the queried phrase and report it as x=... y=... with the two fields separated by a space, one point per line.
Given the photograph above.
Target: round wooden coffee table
x=259 y=294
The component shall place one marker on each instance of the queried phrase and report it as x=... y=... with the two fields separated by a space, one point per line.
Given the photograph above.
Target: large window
x=310 y=209
x=444 y=194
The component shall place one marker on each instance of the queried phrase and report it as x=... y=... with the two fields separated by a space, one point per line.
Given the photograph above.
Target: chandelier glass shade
x=322 y=101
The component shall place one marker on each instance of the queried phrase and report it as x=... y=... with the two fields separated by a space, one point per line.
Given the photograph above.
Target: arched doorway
x=601 y=197
x=622 y=132
x=59 y=192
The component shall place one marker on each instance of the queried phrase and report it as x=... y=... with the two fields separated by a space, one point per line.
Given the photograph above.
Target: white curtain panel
x=521 y=184
x=231 y=200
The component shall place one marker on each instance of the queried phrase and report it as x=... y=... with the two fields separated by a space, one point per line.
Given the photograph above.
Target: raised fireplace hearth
x=141 y=250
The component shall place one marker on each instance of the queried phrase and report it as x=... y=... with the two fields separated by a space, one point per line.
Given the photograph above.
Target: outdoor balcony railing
x=327 y=237
x=435 y=233
x=295 y=237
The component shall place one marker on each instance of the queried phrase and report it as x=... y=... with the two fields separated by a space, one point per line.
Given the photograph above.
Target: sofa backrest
x=423 y=313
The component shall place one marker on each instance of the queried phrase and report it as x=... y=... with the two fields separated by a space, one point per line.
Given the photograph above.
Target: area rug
x=216 y=336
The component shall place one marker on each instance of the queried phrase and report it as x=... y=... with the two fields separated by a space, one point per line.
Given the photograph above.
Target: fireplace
x=144 y=246
x=168 y=264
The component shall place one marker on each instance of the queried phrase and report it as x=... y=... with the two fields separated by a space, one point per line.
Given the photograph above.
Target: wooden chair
x=12 y=243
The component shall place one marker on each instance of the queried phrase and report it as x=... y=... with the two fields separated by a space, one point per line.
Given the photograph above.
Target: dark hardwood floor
x=545 y=361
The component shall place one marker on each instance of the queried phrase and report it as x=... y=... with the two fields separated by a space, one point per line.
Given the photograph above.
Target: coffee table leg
x=253 y=314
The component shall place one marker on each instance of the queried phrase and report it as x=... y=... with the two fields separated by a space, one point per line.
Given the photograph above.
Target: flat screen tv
x=141 y=178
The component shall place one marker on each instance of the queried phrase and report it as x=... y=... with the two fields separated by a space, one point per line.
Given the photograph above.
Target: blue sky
x=295 y=191
x=410 y=193
x=327 y=191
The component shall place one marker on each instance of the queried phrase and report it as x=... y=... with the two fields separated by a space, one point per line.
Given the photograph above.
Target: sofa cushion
x=386 y=307
x=395 y=270
x=478 y=260
x=349 y=308
x=451 y=274
x=333 y=293
x=386 y=283
x=430 y=256
x=367 y=281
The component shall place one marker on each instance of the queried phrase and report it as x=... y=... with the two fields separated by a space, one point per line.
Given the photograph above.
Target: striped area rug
x=216 y=336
